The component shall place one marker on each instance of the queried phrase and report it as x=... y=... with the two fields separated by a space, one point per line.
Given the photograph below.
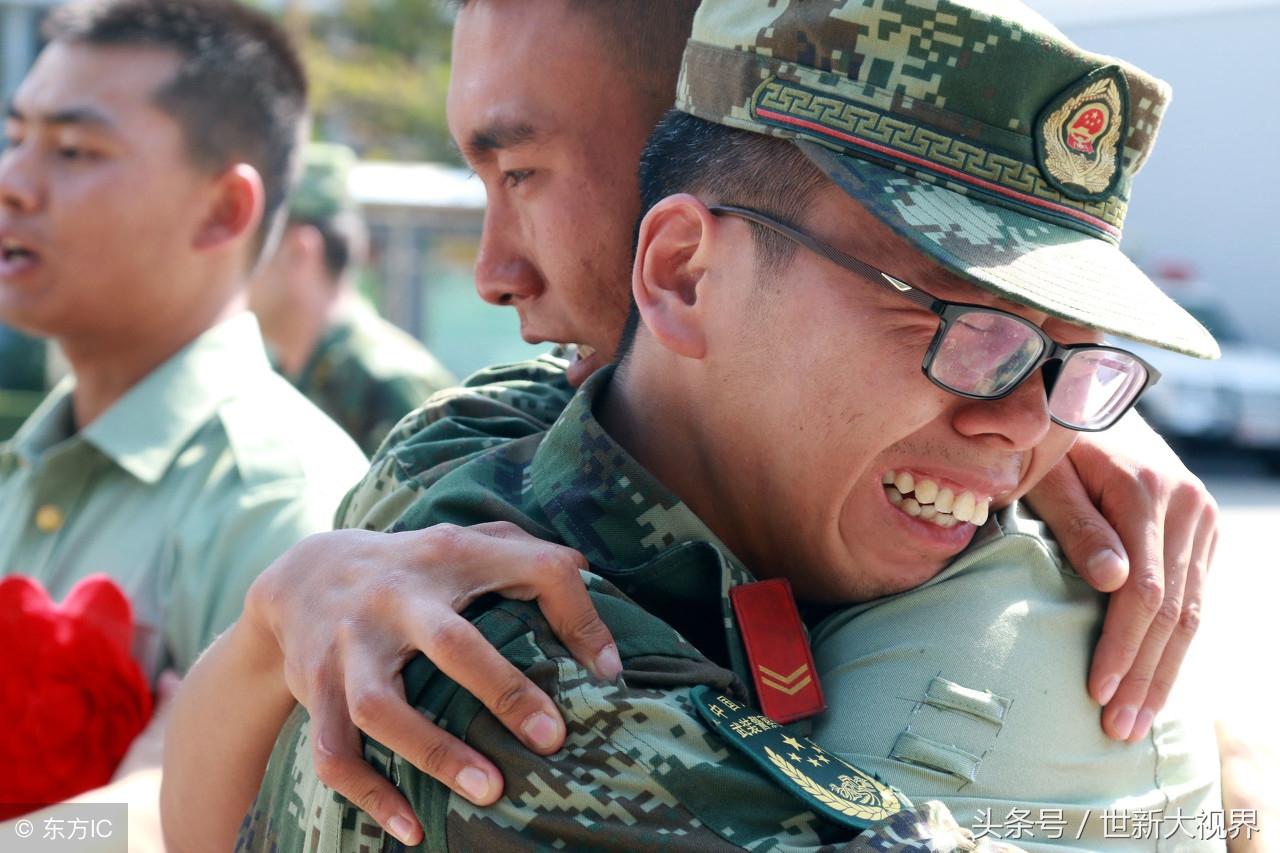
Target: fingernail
x=474 y=782
x=1109 y=688
x=1124 y=723
x=608 y=664
x=401 y=829
x=1143 y=725
x=541 y=731
x=1106 y=565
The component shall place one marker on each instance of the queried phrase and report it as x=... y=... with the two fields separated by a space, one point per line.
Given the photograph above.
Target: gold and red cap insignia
x=1080 y=135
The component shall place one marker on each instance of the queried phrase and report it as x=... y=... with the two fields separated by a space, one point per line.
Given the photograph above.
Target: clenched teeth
x=926 y=500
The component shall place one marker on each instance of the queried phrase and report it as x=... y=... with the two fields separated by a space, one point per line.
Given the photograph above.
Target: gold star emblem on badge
x=793 y=743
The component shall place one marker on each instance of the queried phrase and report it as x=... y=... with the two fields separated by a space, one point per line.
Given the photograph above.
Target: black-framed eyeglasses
x=984 y=353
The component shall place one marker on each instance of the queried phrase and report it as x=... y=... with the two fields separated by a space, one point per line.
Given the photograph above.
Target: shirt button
x=49 y=519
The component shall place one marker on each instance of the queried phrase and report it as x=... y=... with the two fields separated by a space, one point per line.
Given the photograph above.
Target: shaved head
x=648 y=36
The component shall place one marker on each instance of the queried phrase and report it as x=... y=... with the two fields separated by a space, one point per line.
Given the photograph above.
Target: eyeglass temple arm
x=832 y=254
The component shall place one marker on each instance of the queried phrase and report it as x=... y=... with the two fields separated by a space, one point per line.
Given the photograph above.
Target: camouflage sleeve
x=491 y=407
x=369 y=419
x=639 y=769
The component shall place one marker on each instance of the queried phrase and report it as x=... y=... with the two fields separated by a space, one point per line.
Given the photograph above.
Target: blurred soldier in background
x=362 y=371
x=149 y=152
x=23 y=381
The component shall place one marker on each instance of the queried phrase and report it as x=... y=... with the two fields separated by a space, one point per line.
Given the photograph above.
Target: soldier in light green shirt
x=183 y=490
x=148 y=155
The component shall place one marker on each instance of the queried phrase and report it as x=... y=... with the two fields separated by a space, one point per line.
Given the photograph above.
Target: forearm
x=224 y=723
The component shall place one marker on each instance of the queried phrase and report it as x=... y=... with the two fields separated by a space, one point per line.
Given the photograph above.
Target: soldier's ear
x=235 y=207
x=669 y=271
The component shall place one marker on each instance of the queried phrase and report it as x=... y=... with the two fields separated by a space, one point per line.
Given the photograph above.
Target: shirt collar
x=147 y=427
x=144 y=430
x=50 y=424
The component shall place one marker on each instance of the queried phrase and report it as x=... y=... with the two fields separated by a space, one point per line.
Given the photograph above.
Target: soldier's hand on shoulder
x=1131 y=518
x=349 y=608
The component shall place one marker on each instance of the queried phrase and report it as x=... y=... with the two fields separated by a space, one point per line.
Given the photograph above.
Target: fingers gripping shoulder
x=638 y=764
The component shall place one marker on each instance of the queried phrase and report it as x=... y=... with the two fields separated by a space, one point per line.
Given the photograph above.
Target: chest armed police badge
x=829 y=786
x=1080 y=135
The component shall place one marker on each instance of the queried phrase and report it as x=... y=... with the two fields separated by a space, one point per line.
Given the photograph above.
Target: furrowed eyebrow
x=79 y=115
x=72 y=115
x=498 y=136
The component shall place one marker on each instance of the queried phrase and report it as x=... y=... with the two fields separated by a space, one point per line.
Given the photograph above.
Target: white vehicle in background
x=1234 y=400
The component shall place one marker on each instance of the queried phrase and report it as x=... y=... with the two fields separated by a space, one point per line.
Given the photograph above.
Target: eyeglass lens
x=1094 y=387
x=986 y=354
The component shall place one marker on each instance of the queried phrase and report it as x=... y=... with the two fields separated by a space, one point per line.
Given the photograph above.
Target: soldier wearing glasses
x=898 y=227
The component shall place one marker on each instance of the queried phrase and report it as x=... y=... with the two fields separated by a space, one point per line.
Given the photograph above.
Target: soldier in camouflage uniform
x=671 y=754
x=360 y=370
x=644 y=764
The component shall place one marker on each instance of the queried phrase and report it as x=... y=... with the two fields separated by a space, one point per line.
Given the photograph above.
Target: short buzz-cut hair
x=240 y=92
x=686 y=154
x=647 y=36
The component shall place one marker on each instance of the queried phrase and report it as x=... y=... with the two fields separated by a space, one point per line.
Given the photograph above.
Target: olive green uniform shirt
x=970 y=689
x=367 y=374
x=183 y=491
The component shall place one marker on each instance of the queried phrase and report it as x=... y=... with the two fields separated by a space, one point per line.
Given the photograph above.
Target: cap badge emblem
x=1080 y=136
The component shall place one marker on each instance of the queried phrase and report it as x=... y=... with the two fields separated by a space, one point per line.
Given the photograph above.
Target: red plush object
x=72 y=699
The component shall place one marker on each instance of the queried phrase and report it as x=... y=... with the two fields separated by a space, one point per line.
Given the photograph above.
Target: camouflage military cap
x=973 y=128
x=321 y=193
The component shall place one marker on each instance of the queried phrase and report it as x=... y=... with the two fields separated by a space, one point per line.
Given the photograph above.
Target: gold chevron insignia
x=787 y=684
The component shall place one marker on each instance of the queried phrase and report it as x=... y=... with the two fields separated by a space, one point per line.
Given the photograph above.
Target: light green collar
x=144 y=430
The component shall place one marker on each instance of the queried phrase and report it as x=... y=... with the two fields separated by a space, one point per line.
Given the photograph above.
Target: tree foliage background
x=379 y=73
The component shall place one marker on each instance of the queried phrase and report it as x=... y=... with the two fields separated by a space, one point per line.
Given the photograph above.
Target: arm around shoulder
x=639 y=763
x=225 y=718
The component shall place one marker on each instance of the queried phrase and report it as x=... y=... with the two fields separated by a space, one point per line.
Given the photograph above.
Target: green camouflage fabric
x=639 y=770
x=367 y=374
x=22 y=362
x=492 y=406
x=973 y=128
x=23 y=382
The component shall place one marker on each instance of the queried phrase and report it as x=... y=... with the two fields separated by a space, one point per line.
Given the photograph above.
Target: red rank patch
x=777 y=650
